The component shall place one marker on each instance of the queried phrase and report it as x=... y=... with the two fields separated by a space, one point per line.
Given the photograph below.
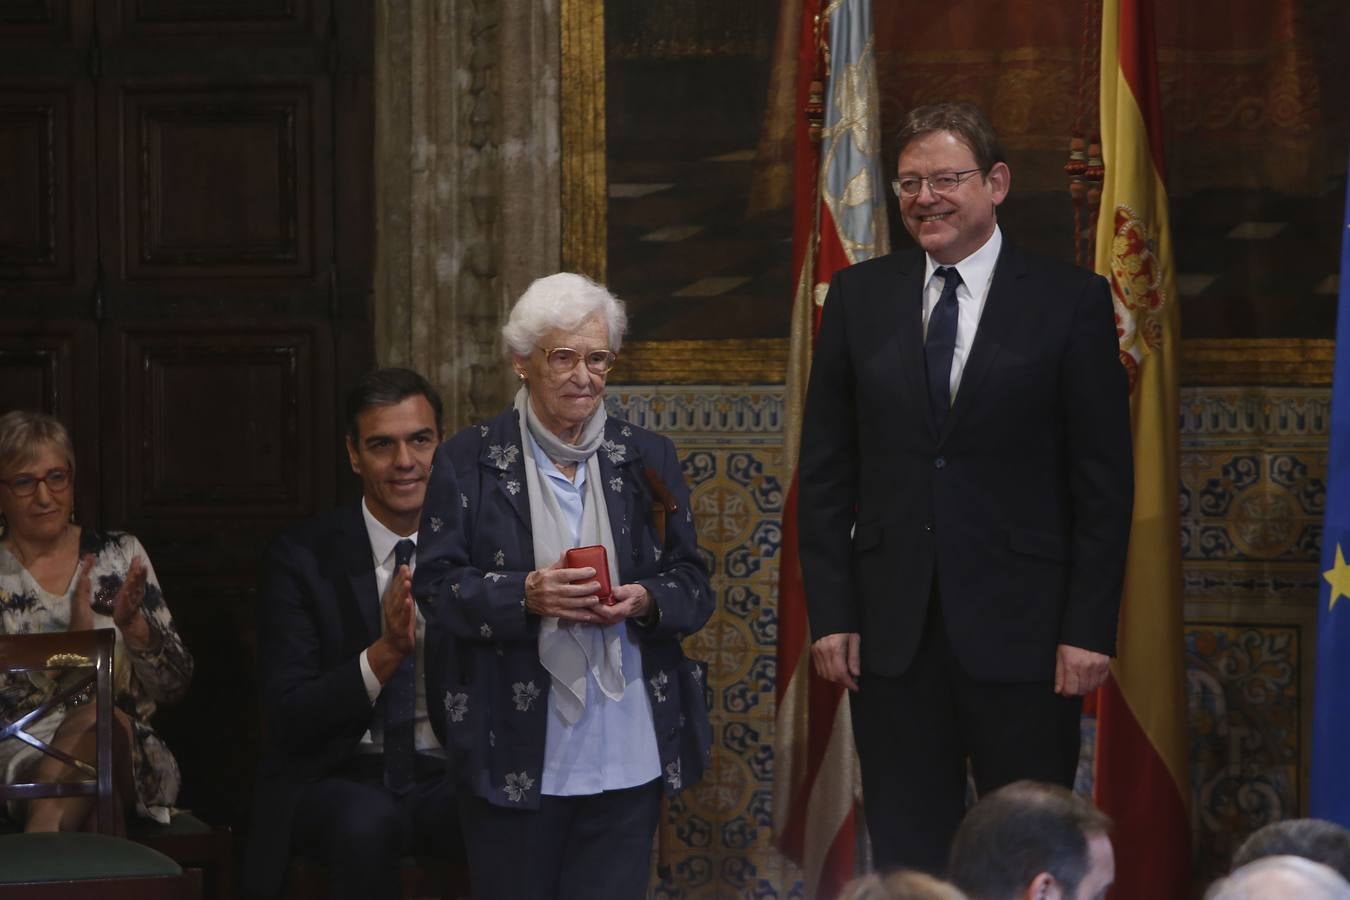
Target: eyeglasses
x=941 y=183
x=564 y=359
x=57 y=481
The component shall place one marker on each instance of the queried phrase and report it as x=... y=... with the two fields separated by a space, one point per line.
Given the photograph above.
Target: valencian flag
x=839 y=219
x=1330 y=787
x=1141 y=764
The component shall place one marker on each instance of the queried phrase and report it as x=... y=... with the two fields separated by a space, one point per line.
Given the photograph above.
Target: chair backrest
x=76 y=664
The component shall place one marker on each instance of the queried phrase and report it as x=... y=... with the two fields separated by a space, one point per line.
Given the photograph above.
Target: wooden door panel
x=131 y=20
x=51 y=366
x=220 y=193
x=52 y=22
x=47 y=232
x=217 y=424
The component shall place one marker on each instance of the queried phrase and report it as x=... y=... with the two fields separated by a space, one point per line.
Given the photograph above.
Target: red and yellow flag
x=839 y=219
x=1141 y=765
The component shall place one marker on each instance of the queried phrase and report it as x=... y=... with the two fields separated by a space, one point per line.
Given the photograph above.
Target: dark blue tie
x=399 y=696
x=940 y=344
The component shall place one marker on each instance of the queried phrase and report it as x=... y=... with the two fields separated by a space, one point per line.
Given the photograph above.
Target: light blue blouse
x=613 y=745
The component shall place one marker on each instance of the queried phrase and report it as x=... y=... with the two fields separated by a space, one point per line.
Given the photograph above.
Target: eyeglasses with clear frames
x=941 y=183
x=57 y=481
x=564 y=359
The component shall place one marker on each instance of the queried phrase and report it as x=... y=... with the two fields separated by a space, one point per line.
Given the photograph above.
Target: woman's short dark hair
x=964 y=120
x=1019 y=831
x=385 y=387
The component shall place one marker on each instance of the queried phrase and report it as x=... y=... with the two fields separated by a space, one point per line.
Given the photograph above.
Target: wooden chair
x=71 y=864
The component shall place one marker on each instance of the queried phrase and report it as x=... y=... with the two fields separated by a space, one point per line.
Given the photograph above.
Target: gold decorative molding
x=1293 y=361
x=584 y=189
x=730 y=361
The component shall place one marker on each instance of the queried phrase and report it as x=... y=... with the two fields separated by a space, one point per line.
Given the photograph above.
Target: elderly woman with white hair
x=569 y=705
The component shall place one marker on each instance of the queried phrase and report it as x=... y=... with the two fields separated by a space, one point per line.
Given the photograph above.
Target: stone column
x=466 y=185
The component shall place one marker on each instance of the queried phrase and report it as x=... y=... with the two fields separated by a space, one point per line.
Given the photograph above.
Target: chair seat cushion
x=72 y=856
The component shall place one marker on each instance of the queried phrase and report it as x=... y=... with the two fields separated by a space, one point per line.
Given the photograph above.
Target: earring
x=521 y=376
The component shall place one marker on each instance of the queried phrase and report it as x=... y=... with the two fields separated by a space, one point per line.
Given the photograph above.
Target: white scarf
x=569 y=649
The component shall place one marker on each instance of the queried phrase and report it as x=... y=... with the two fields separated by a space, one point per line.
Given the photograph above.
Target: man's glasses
x=564 y=359
x=57 y=481
x=941 y=183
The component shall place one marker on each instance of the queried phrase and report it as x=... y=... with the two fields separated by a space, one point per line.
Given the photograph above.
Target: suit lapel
x=357 y=567
x=996 y=322
x=908 y=328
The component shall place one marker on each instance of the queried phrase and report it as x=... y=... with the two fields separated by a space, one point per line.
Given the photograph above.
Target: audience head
x=388 y=387
x=1035 y=841
x=1279 y=877
x=393 y=428
x=1316 y=839
x=37 y=468
x=903 y=885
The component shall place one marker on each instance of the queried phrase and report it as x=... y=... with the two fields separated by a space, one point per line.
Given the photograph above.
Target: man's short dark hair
x=385 y=387
x=1019 y=831
x=1315 y=839
x=964 y=120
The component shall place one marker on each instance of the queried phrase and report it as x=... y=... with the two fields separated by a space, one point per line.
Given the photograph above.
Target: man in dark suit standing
x=353 y=776
x=966 y=487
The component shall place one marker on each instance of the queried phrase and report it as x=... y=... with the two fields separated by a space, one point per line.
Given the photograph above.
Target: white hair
x=562 y=302
x=1277 y=877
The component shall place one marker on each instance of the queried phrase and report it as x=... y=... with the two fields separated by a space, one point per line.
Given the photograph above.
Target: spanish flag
x=1141 y=772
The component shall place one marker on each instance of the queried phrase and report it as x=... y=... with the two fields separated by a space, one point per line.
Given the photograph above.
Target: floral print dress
x=141 y=679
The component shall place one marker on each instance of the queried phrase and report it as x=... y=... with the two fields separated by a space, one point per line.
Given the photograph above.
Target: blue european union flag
x=1330 y=786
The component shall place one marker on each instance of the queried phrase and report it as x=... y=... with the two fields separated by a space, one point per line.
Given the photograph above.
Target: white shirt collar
x=976 y=269
x=382 y=540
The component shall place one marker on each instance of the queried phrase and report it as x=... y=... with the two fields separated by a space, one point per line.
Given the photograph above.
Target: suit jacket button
x=928 y=527
x=939 y=462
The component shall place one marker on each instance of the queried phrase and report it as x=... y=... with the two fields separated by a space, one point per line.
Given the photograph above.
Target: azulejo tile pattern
x=1253 y=472
x=720 y=843
x=1243 y=708
x=1252 y=492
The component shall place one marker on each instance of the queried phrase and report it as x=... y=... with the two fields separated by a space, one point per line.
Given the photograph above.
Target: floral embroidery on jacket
x=456 y=705
x=503 y=456
x=485 y=630
x=435 y=523
x=518 y=784
x=658 y=683
x=616 y=452
x=673 y=775
x=525 y=695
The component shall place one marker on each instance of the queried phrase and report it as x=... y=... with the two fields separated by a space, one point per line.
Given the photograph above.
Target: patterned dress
x=141 y=679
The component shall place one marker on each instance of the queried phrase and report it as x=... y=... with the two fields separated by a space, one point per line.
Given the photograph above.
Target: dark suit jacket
x=317 y=610
x=482 y=647
x=1020 y=505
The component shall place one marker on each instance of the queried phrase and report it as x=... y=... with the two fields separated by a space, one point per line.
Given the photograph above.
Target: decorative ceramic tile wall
x=1253 y=466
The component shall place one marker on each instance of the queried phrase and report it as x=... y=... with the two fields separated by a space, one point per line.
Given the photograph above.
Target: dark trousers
x=359 y=830
x=915 y=733
x=592 y=847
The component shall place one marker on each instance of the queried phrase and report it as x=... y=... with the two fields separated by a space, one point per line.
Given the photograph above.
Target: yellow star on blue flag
x=1338 y=576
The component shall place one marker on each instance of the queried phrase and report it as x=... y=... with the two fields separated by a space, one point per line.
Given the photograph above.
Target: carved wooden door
x=185 y=270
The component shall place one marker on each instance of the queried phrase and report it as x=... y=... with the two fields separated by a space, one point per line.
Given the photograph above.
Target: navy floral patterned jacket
x=473 y=553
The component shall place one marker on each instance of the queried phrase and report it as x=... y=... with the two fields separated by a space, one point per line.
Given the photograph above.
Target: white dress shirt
x=382 y=542
x=976 y=271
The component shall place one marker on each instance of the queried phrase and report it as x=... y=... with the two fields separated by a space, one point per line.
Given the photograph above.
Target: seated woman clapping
x=56 y=576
